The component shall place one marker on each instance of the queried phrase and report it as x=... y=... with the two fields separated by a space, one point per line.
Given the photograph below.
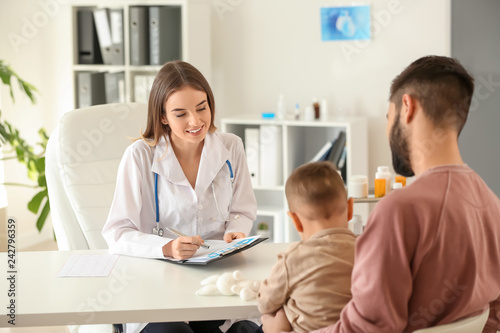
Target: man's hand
x=233 y=235
x=275 y=323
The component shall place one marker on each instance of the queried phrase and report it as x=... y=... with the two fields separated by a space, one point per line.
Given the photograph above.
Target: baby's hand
x=233 y=235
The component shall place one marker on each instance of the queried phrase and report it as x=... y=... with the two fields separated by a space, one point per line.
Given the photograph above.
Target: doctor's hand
x=233 y=235
x=275 y=323
x=183 y=247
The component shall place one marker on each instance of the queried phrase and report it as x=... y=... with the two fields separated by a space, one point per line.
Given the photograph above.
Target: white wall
x=34 y=39
x=261 y=48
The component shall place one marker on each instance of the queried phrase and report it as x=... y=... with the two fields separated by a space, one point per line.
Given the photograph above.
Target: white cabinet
x=195 y=40
x=300 y=142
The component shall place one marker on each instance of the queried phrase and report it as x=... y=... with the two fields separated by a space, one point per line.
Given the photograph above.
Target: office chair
x=81 y=162
x=467 y=325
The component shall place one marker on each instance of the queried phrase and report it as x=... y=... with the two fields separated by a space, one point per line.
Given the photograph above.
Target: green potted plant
x=15 y=147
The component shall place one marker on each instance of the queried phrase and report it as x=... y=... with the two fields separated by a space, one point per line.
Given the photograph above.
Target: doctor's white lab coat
x=128 y=229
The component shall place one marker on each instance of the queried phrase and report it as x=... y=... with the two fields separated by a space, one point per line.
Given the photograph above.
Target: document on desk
x=219 y=249
x=88 y=265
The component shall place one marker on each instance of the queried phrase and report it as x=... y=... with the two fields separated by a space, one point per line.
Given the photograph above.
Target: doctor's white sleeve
x=244 y=203
x=124 y=230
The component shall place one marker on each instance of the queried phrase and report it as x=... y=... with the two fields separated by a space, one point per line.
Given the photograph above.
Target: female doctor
x=183 y=175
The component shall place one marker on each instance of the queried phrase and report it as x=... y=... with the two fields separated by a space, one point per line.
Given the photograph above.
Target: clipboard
x=218 y=250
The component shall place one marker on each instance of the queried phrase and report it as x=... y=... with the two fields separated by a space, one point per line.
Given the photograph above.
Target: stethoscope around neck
x=157 y=230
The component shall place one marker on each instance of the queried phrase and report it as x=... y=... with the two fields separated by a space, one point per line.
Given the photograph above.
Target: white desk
x=137 y=290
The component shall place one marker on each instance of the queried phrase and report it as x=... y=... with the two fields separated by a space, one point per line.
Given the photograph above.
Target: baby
x=312 y=280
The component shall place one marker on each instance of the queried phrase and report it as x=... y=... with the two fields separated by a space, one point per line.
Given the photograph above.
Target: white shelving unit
x=195 y=29
x=301 y=141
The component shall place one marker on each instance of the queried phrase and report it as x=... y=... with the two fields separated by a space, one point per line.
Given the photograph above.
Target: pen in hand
x=177 y=233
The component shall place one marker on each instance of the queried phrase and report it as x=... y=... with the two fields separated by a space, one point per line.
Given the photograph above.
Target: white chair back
x=82 y=158
x=467 y=325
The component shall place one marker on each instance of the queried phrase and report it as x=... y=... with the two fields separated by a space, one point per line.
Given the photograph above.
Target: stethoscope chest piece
x=157 y=231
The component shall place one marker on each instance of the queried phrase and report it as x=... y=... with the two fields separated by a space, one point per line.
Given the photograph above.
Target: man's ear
x=350 y=208
x=408 y=108
x=296 y=221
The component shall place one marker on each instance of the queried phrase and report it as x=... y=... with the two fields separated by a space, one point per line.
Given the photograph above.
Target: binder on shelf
x=104 y=34
x=337 y=149
x=322 y=154
x=270 y=159
x=342 y=165
x=115 y=87
x=91 y=89
x=139 y=36
x=252 y=153
x=164 y=34
x=116 y=25
x=88 y=44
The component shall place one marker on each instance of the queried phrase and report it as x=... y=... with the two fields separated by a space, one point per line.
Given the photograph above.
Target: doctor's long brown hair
x=173 y=76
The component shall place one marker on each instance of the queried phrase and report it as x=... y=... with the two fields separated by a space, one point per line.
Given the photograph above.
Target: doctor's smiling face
x=188 y=115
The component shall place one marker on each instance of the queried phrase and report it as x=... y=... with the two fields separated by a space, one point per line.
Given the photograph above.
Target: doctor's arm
x=244 y=204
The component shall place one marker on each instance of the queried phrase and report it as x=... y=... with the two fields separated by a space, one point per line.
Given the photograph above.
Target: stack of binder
x=95 y=88
x=263 y=149
x=335 y=152
x=155 y=35
x=100 y=36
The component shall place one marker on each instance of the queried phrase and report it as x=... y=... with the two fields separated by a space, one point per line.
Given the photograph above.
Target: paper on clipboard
x=219 y=249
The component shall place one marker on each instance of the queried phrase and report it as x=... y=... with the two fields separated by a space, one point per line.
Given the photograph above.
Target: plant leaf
x=43 y=215
x=42 y=181
x=40 y=164
x=36 y=201
x=32 y=171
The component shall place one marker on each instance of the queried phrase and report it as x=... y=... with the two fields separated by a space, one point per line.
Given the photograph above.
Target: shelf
x=327 y=122
x=300 y=142
x=370 y=199
x=269 y=211
x=195 y=46
x=99 y=68
x=144 y=68
x=269 y=188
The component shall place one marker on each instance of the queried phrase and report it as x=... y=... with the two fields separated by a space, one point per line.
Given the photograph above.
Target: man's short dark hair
x=442 y=86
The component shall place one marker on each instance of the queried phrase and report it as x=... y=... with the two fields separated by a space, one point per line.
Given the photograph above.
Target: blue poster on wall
x=345 y=23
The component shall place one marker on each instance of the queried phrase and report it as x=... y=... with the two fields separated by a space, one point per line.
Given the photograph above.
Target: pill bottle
x=383 y=172
x=400 y=179
x=358 y=186
x=309 y=113
x=356 y=225
x=280 y=107
x=379 y=187
x=396 y=186
x=316 y=108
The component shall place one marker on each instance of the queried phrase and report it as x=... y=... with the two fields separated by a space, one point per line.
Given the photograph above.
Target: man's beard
x=398 y=142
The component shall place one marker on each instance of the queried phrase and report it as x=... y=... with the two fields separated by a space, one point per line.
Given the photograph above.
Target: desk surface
x=137 y=290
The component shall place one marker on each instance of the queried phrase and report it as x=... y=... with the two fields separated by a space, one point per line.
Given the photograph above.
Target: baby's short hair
x=319 y=186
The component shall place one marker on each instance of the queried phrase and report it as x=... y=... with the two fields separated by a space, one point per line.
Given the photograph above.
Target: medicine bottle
x=383 y=172
x=400 y=179
x=309 y=113
x=280 y=107
x=379 y=187
x=316 y=108
x=396 y=186
x=356 y=225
